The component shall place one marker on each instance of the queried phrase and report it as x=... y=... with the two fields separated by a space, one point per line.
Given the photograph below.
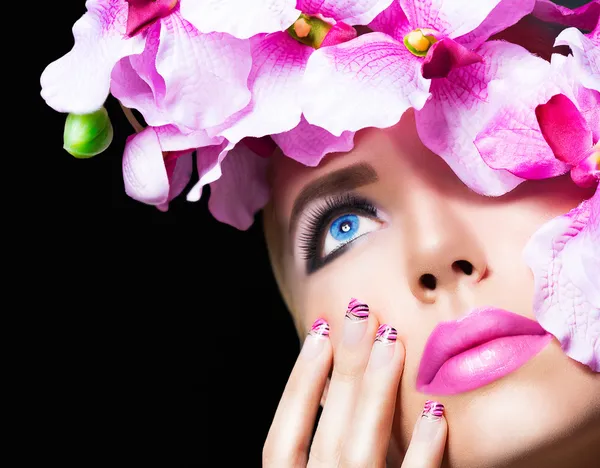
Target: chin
x=546 y=414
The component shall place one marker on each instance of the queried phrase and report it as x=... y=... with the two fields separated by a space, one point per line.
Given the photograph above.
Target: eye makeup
x=329 y=227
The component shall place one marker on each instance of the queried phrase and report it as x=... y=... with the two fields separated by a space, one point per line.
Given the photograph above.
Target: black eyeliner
x=318 y=220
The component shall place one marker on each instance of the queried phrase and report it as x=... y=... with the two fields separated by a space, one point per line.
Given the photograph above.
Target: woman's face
x=429 y=250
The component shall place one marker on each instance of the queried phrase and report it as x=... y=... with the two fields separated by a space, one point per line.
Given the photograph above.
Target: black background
x=165 y=326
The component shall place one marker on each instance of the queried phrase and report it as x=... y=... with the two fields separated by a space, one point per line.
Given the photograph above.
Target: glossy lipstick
x=471 y=352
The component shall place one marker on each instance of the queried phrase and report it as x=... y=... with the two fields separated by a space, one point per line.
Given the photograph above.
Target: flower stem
x=137 y=126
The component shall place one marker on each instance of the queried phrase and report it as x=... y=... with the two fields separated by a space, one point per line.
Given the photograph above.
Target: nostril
x=464 y=266
x=428 y=281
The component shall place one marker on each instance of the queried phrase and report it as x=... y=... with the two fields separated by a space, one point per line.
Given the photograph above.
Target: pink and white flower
x=157 y=163
x=586 y=50
x=549 y=124
x=386 y=72
x=565 y=261
x=247 y=18
x=279 y=60
x=238 y=183
x=167 y=69
x=429 y=55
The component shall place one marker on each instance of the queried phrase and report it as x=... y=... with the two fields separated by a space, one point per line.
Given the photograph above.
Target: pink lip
x=471 y=352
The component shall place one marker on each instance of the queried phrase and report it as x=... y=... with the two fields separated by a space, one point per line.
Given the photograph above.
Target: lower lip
x=482 y=365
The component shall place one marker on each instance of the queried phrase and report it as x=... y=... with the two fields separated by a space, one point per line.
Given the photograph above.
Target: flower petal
x=460 y=107
x=179 y=171
x=242 y=190
x=277 y=69
x=208 y=162
x=392 y=21
x=564 y=256
x=586 y=50
x=511 y=138
x=198 y=70
x=79 y=81
x=444 y=56
x=506 y=13
x=144 y=172
x=452 y=19
x=355 y=12
x=240 y=18
x=565 y=129
x=584 y=17
x=373 y=73
x=309 y=144
x=137 y=85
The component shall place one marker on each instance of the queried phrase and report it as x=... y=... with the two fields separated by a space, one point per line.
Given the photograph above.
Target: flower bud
x=87 y=135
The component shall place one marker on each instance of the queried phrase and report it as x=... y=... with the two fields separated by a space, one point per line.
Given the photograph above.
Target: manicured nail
x=382 y=351
x=429 y=422
x=315 y=341
x=355 y=324
x=320 y=328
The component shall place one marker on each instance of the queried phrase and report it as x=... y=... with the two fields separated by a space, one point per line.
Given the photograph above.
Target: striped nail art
x=433 y=410
x=386 y=334
x=357 y=311
x=320 y=328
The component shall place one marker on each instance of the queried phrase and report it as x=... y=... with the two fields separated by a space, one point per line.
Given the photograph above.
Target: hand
x=355 y=425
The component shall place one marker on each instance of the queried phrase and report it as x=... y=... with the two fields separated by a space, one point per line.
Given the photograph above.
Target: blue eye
x=345 y=229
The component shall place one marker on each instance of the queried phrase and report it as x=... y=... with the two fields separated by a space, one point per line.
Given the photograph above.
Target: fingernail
x=383 y=350
x=315 y=341
x=355 y=324
x=429 y=423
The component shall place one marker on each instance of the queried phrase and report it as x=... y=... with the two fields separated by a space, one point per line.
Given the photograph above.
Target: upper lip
x=449 y=339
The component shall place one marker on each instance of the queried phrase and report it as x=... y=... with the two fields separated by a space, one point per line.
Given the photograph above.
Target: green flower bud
x=87 y=135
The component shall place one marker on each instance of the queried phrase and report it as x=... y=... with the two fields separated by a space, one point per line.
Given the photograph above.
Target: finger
x=349 y=365
x=369 y=436
x=428 y=442
x=289 y=436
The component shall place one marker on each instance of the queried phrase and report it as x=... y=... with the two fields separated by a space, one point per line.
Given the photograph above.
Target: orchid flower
x=279 y=60
x=583 y=17
x=157 y=163
x=429 y=55
x=238 y=183
x=546 y=132
x=386 y=72
x=169 y=71
x=585 y=47
x=565 y=261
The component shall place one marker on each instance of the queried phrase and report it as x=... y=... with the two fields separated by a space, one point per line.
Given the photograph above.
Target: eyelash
x=319 y=219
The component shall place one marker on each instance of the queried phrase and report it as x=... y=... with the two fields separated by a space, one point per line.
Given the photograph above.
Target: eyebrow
x=342 y=180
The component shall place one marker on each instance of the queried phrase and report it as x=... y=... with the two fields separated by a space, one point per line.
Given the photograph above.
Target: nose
x=443 y=252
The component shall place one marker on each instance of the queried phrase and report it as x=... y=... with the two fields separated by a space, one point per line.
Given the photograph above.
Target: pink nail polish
x=357 y=311
x=320 y=328
x=433 y=410
x=386 y=334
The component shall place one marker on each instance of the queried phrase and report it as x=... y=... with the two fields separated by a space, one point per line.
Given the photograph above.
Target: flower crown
x=227 y=80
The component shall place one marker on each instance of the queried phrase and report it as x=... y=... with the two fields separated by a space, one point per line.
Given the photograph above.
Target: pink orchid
x=585 y=47
x=586 y=50
x=238 y=183
x=447 y=83
x=244 y=18
x=546 y=132
x=157 y=163
x=565 y=261
x=167 y=69
x=583 y=17
x=385 y=74
x=279 y=60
